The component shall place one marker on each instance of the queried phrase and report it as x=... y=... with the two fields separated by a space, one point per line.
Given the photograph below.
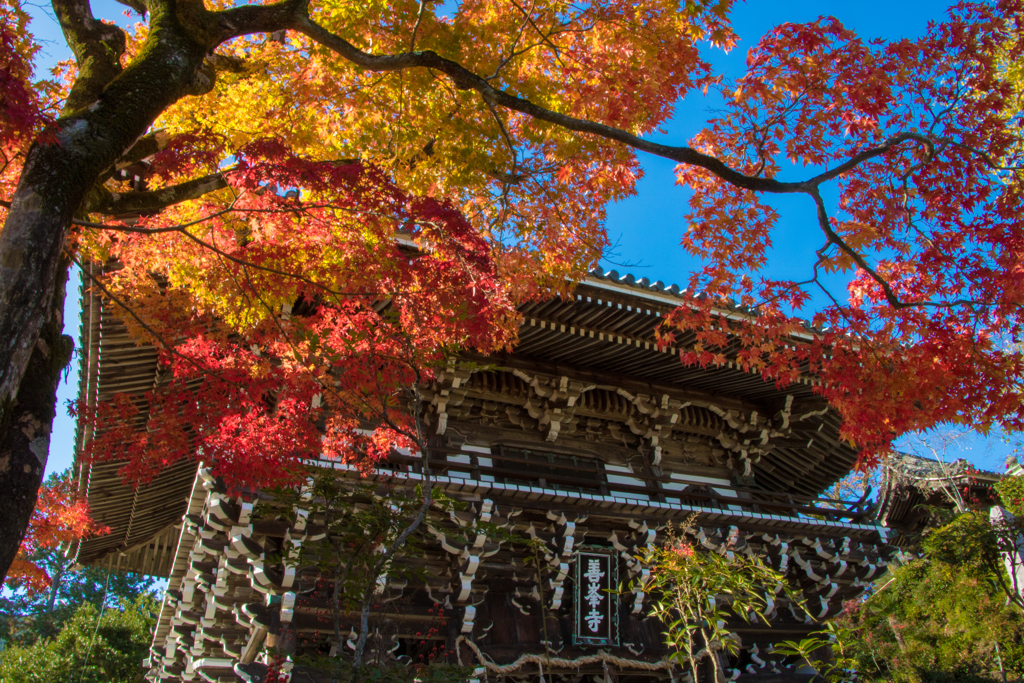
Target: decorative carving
x=558 y=550
x=448 y=392
x=749 y=436
x=524 y=593
x=653 y=418
x=553 y=403
x=643 y=535
x=471 y=543
x=227 y=560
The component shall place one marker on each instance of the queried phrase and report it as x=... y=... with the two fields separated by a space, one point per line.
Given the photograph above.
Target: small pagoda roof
x=913 y=487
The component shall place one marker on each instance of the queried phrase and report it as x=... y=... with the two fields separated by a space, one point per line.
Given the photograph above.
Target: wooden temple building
x=915 y=490
x=587 y=438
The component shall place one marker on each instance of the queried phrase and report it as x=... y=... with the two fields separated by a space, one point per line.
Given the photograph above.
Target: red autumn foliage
x=60 y=518
x=928 y=224
x=308 y=319
x=20 y=109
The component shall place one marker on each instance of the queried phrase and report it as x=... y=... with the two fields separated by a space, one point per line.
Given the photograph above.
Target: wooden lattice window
x=530 y=467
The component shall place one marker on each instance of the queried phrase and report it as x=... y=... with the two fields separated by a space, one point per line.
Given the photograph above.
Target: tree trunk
x=51 y=600
x=894 y=624
x=58 y=175
x=25 y=432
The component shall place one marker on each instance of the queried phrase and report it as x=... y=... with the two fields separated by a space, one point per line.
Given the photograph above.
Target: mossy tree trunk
x=28 y=420
x=108 y=110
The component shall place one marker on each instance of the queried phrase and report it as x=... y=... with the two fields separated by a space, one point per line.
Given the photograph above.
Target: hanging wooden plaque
x=596 y=576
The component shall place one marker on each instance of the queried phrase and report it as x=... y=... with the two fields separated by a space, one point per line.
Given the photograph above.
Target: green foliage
x=977 y=547
x=841 y=667
x=114 y=655
x=368 y=528
x=938 y=618
x=966 y=543
x=26 y=616
x=1011 y=493
x=360 y=521
x=695 y=593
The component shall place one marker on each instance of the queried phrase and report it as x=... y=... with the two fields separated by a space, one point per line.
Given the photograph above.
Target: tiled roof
x=931 y=474
x=643 y=284
x=659 y=289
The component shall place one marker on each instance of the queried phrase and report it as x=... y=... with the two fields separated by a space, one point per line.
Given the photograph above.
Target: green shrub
x=937 y=619
x=1011 y=494
x=120 y=644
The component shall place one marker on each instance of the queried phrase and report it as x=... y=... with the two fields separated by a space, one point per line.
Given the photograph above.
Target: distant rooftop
x=929 y=473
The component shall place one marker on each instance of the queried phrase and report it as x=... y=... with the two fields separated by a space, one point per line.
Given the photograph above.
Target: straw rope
x=599 y=657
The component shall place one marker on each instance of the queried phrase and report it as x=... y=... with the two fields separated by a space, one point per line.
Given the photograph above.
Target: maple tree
x=60 y=518
x=332 y=197
x=921 y=138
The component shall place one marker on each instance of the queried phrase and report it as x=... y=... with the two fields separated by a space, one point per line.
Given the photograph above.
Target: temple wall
x=505 y=609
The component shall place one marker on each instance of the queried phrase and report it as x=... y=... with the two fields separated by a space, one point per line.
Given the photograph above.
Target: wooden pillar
x=281 y=635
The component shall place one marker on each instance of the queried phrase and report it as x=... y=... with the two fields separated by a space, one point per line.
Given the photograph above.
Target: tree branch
x=871 y=153
x=248 y=19
x=147 y=146
x=97 y=47
x=182 y=229
x=834 y=238
x=464 y=79
x=114 y=204
x=294 y=14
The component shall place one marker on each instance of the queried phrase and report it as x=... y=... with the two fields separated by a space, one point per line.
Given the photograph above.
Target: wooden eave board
x=112 y=362
x=626 y=508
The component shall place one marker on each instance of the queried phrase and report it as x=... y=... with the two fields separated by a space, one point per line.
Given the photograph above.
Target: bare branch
x=527 y=15
x=152 y=231
x=226 y=63
x=114 y=204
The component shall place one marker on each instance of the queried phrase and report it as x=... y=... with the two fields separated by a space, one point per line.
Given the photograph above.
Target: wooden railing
x=580 y=474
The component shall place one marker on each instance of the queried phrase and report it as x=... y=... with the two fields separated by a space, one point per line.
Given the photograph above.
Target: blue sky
x=650 y=225
x=647 y=227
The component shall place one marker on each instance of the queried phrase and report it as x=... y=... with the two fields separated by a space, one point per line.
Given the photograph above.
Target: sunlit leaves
x=22 y=103
x=532 y=187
